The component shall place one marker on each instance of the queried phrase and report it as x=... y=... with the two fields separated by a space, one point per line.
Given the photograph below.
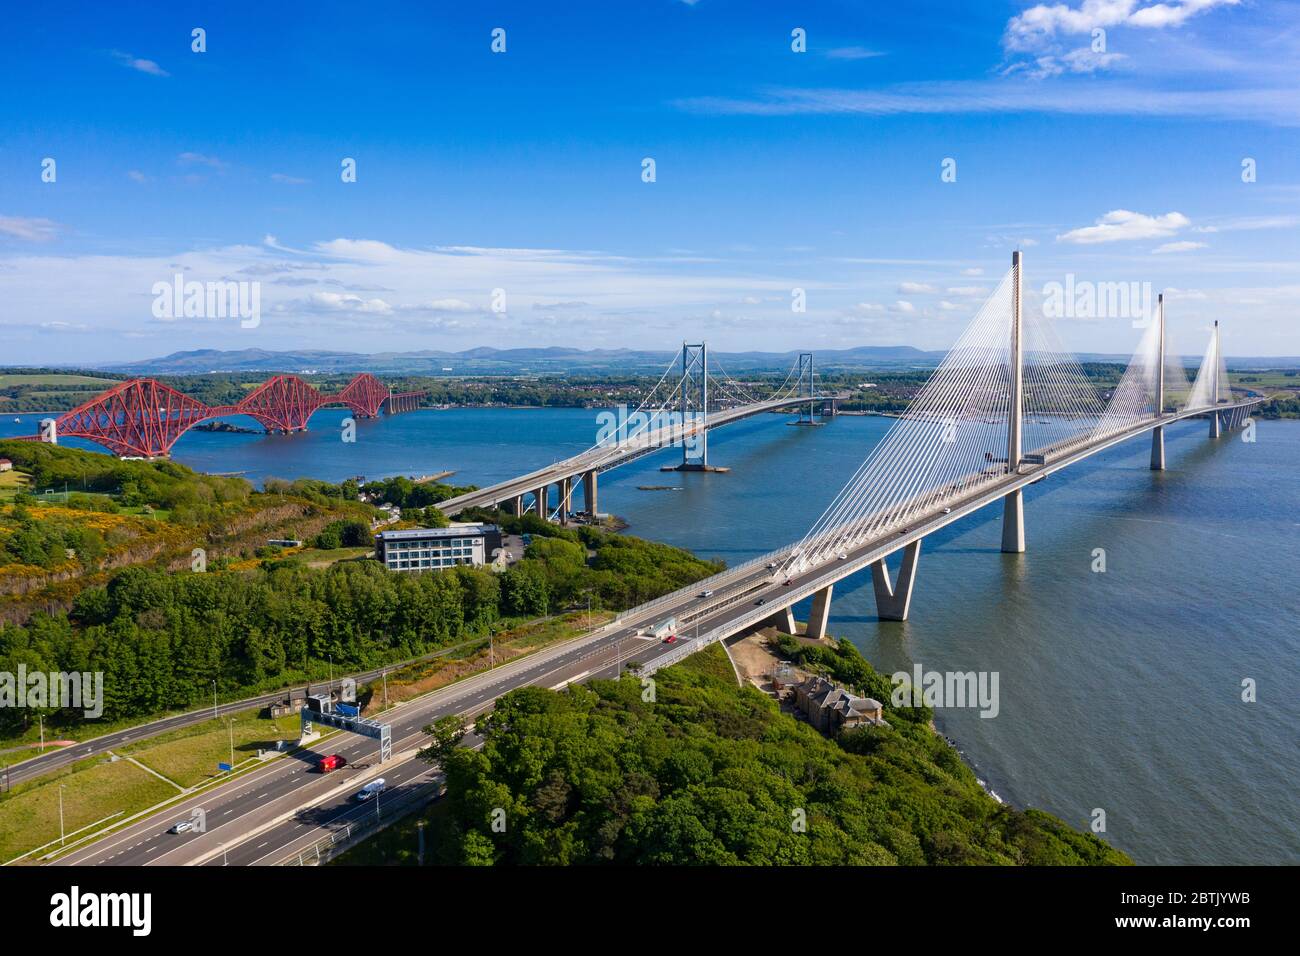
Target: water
x=1119 y=691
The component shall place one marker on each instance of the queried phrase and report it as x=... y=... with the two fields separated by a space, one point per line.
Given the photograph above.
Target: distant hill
x=485 y=360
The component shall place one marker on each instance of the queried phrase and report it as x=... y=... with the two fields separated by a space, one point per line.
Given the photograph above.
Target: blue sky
x=522 y=171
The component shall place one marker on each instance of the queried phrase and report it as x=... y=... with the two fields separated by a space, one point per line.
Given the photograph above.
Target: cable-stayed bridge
x=691 y=398
x=1007 y=407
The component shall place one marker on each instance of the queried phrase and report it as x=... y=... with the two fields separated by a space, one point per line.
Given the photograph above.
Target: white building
x=429 y=549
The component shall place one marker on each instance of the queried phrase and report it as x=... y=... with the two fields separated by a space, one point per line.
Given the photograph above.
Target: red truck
x=332 y=762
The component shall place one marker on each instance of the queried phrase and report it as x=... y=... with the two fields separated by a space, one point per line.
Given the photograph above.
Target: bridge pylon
x=807 y=385
x=1216 y=423
x=1013 y=505
x=1158 y=433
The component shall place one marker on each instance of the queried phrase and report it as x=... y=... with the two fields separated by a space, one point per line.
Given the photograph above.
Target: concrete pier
x=539 y=501
x=1158 y=448
x=893 y=601
x=783 y=620
x=1013 y=522
x=821 y=612
x=566 y=498
x=589 y=492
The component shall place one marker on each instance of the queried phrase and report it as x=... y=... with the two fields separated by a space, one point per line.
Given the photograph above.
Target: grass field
x=190 y=755
x=12 y=482
x=316 y=558
x=53 y=380
x=92 y=790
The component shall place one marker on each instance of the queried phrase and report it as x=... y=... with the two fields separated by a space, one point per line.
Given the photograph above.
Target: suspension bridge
x=689 y=400
x=1006 y=408
x=143 y=418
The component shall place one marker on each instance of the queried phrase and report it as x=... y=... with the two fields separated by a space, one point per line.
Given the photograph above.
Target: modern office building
x=429 y=549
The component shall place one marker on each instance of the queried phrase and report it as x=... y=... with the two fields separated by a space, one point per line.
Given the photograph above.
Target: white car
x=947 y=511
x=372 y=789
x=182 y=826
x=844 y=557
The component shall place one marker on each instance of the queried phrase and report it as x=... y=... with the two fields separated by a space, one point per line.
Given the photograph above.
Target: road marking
x=575 y=678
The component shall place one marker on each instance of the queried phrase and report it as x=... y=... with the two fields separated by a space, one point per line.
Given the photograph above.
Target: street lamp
x=214 y=700
x=232 y=744
x=61 y=789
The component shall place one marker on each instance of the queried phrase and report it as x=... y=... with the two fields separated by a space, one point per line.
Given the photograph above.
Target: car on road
x=771 y=565
x=788 y=582
x=332 y=762
x=947 y=511
x=760 y=601
x=843 y=557
x=704 y=594
x=182 y=826
x=670 y=639
x=371 y=790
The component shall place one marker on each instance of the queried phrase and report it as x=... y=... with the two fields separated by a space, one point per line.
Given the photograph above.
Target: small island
x=225 y=428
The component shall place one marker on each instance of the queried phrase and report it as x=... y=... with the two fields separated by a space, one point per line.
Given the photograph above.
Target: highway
x=57 y=757
x=279 y=809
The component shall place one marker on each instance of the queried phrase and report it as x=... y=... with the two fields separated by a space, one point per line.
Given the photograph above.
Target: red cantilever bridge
x=143 y=417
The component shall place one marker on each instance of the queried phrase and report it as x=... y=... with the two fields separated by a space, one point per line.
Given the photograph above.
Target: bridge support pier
x=589 y=492
x=1013 y=522
x=565 y=488
x=539 y=501
x=517 y=506
x=1216 y=425
x=783 y=620
x=1158 y=448
x=893 y=601
x=821 y=612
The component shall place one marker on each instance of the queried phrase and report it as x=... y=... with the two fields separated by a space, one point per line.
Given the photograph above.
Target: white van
x=372 y=789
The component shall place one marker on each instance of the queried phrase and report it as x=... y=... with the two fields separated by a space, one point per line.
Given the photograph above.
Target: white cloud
x=1040 y=24
x=1184 y=246
x=33 y=229
x=852 y=53
x=136 y=176
x=1251 y=223
x=138 y=64
x=973 y=271
x=902 y=305
x=1120 y=225
x=1259 y=98
x=199 y=159
x=915 y=288
x=346 y=302
x=287 y=179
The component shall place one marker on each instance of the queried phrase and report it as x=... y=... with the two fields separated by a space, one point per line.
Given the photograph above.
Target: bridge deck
x=603 y=458
x=733 y=605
